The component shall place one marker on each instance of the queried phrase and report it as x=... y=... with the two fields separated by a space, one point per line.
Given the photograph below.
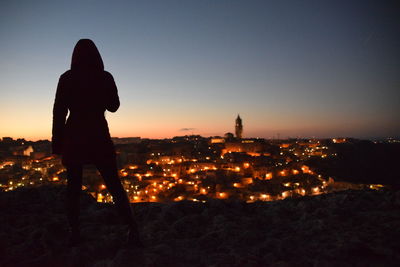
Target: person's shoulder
x=108 y=75
x=66 y=75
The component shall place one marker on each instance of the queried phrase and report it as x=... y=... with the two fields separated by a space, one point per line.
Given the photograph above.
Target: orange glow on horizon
x=37 y=126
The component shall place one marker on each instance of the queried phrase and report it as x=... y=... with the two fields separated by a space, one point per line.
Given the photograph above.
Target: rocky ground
x=349 y=228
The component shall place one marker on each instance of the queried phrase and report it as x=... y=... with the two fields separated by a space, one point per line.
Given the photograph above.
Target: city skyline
x=298 y=70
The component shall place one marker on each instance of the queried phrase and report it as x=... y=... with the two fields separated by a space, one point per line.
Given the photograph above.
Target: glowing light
x=179 y=198
x=305 y=169
x=223 y=195
x=376 y=186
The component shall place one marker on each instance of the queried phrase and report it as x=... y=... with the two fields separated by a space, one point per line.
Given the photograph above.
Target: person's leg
x=74 y=185
x=109 y=172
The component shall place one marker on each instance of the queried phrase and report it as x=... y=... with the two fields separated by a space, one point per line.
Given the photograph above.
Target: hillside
x=359 y=228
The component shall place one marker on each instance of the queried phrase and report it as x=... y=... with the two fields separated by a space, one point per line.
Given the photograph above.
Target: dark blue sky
x=298 y=68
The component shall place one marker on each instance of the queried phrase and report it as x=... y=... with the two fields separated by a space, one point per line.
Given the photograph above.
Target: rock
x=348 y=228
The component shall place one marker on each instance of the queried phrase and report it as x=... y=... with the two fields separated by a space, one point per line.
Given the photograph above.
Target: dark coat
x=84 y=137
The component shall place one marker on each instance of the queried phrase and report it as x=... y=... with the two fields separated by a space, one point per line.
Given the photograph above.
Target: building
x=238 y=127
x=253 y=147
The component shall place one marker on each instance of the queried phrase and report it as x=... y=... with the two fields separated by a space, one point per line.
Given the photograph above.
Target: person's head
x=86 y=56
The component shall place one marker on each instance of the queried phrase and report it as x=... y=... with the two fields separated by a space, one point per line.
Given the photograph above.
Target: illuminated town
x=190 y=168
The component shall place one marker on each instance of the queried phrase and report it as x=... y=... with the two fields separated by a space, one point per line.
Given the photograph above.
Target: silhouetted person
x=87 y=91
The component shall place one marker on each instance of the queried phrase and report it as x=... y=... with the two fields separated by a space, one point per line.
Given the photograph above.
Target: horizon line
x=211 y=136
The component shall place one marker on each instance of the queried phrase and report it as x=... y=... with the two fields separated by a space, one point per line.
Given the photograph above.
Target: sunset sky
x=297 y=68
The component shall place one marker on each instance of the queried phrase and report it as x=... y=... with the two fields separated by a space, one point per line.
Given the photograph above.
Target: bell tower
x=238 y=127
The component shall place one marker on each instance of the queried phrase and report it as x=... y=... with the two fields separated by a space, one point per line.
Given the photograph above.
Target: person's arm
x=60 y=111
x=112 y=99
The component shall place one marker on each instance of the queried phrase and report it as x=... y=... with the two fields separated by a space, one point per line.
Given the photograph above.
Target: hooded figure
x=87 y=91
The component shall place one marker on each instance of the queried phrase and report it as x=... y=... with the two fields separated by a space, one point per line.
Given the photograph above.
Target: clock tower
x=238 y=127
